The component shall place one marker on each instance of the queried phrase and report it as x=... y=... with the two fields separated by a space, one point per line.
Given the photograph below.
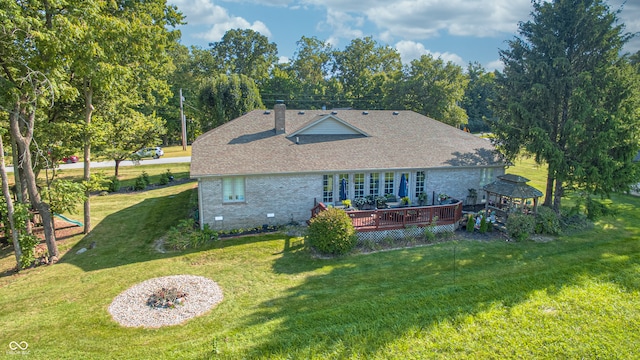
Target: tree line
x=241 y=72
x=102 y=79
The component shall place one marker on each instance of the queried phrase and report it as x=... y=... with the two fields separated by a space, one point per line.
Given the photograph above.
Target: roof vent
x=396 y=113
x=301 y=112
x=267 y=112
x=334 y=112
x=365 y=113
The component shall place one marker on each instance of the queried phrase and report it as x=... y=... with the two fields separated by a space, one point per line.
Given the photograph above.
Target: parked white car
x=152 y=152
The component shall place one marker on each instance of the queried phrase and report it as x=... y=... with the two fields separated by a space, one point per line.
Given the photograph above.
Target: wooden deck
x=400 y=218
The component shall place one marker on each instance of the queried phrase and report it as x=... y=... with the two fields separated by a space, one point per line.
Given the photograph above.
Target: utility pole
x=184 y=124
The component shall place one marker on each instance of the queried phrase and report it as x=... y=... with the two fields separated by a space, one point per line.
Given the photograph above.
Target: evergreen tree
x=568 y=98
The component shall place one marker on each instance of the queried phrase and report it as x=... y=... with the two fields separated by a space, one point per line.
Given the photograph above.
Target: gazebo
x=510 y=193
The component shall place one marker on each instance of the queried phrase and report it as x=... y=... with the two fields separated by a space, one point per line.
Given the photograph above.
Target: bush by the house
x=186 y=235
x=484 y=225
x=547 y=221
x=520 y=226
x=331 y=232
x=470 y=223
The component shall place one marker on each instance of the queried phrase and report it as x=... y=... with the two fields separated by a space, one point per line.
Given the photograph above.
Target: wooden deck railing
x=399 y=218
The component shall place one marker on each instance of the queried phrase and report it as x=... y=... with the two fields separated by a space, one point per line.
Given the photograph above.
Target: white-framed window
x=388 y=183
x=486 y=176
x=233 y=189
x=358 y=186
x=420 y=181
x=374 y=184
x=327 y=189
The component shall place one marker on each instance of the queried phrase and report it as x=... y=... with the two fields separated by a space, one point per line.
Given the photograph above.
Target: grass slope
x=573 y=297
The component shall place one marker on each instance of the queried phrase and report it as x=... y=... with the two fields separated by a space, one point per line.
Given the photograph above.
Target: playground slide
x=68 y=220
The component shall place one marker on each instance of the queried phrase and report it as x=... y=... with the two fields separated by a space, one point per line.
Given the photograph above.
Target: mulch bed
x=64 y=230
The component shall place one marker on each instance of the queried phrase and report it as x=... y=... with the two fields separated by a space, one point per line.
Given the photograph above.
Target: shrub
x=26 y=241
x=145 y=178
x=483 y=225
x=470 y=223
x=164 y=179
x=520 y=226
x=331 y=232
x=187 y=236
x=547 y=221
x=140 y=183
x=575 y=222
x=114 y=184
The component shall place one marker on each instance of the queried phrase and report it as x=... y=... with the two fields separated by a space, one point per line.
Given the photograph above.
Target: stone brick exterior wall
x=289 y=198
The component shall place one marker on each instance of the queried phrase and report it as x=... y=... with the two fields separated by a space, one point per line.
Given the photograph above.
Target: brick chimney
x=279 y=109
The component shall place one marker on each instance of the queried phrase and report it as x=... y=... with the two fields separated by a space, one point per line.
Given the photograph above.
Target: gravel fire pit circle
x=130 y=308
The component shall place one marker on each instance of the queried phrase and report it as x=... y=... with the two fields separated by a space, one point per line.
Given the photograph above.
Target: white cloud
x=219 y=29
x=494 y=65
x=198 y=12
x=341 y=24
x=630 y=16
x=283 y=60
x=410 y=50
x=205 y=12
x=422 y=19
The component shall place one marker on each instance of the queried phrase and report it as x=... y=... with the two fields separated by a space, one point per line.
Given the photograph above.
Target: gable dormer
x=328 y=124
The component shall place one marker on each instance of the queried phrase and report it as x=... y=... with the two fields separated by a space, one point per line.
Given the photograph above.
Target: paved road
x=111 y=163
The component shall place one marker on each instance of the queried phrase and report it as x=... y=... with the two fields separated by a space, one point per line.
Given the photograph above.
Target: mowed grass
x=571 y=297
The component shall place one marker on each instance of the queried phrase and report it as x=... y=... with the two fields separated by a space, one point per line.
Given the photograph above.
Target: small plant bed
x=266 y=229
x=167 y=298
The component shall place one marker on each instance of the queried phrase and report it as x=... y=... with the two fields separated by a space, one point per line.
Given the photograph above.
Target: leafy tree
x=120 y=56
x=32 y=77
x=433 y=88
x=124 y=131
x=64 y=196
x=477 y=97
x=282 y=85
x=187 y=75
x=228 y=97
x=245 y=52
x=311 y=66
x=567 y=97
x=362 y=68
x=10 y=209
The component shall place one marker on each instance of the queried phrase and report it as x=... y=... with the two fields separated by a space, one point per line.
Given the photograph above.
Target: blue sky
x=460 y=31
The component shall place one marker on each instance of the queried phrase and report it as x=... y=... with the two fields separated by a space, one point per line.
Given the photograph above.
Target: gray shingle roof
x=408 y=140
x=513 y=186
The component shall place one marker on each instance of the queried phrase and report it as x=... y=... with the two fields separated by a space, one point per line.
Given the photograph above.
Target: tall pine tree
x=568 y=98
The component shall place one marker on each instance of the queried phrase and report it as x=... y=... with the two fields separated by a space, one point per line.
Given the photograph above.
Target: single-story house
x=273 y=166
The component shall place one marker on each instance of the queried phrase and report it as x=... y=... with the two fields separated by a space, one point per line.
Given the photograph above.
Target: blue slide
x=68 y=220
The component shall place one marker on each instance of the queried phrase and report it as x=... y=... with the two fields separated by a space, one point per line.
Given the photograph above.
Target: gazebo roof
x=513 y=186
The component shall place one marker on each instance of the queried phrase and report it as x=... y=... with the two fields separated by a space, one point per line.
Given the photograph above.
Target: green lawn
x=572 y=297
